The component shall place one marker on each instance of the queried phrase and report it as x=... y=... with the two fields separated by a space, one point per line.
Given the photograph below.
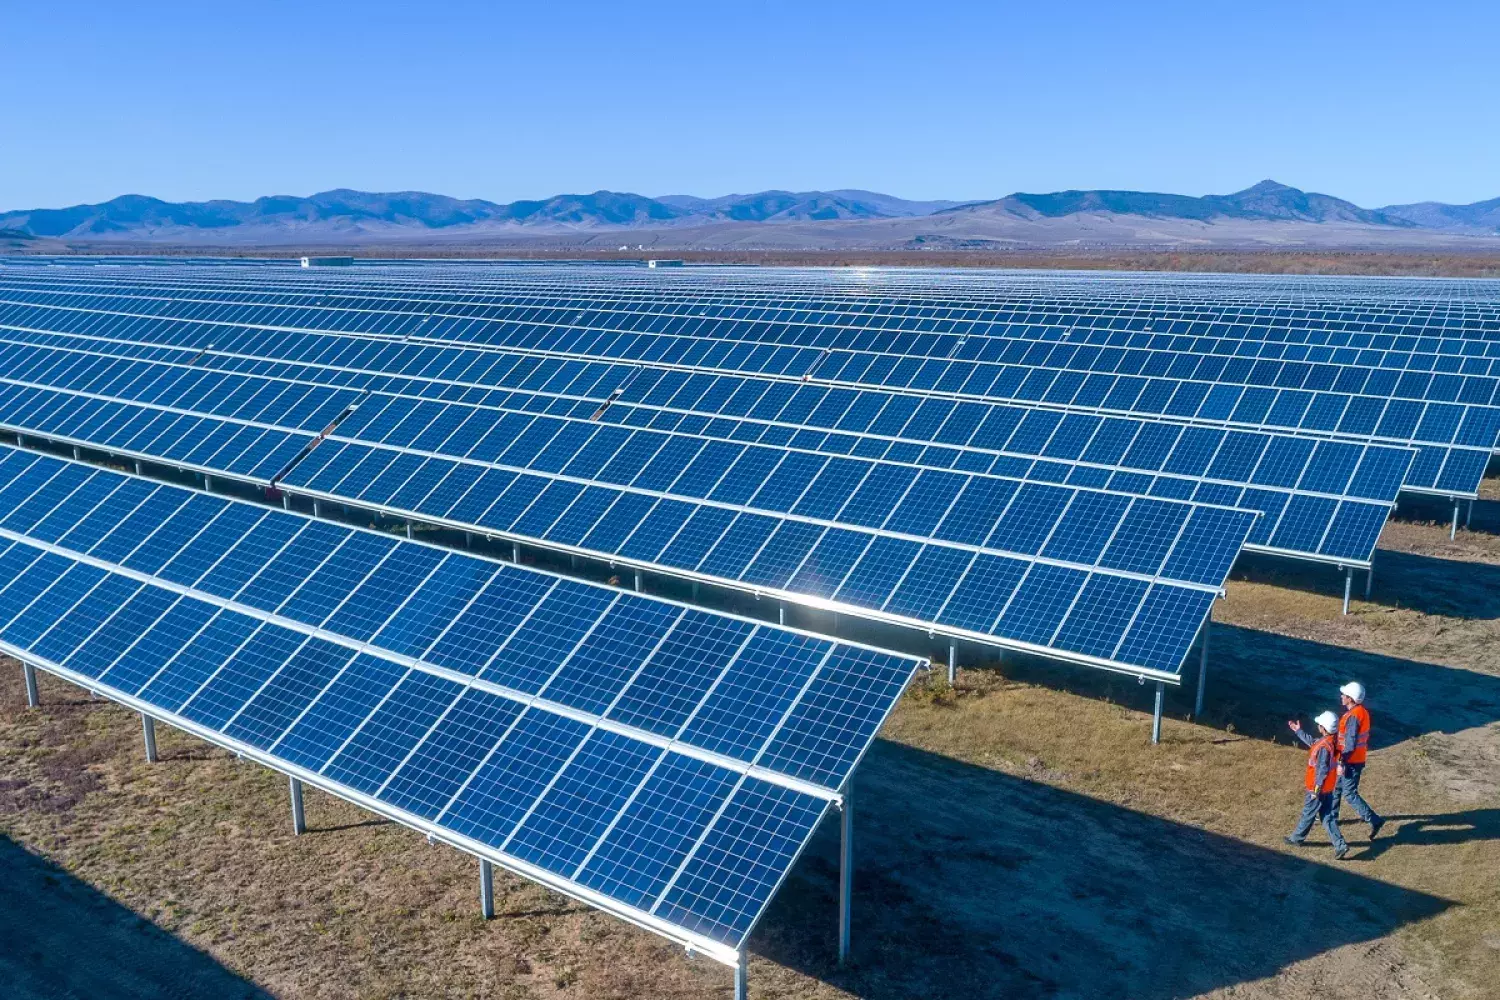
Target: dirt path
x=1016 y=838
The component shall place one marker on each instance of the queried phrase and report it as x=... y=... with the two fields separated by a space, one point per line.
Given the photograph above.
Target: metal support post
x=468 y=539
x=148 y=730
x=952 y=662
x=317 y=508
x=486 y=889
x=408 y=530
x=846 y=870
x=208 y=483
x=1202 y=669
x=1348 y=586
x=741 y=977
x=286 y=501
x=781 y=612
x=1369 y=580
x=29 y=672
x=1161 y=694
x=1469 y=515
x=515 y=552
x=77 y=455
x=138 y=469
x=299 y=822
x=637 y=580
x=1453 y=531
x=695 y=590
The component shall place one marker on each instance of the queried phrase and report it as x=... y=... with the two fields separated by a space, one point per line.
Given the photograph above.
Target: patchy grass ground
x=1017 y=837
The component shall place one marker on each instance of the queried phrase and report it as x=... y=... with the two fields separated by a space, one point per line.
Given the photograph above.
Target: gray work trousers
x=1319 y=807
x=1347 y=790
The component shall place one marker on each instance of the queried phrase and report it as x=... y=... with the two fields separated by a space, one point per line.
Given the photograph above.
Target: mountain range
x=1268 y=213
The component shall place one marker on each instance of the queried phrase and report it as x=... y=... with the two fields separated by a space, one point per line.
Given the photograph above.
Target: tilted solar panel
x=1326 y=500
x=662 y=763
x=919 y=547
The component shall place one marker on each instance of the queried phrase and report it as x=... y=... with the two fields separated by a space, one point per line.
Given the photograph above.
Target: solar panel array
x=1104 y=578
x=757 y=413
x=1451 y=423
x=663 y=763
x=1321 y=499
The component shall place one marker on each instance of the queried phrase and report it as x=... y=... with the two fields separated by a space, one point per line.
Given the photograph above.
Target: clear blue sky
x=1377 y=102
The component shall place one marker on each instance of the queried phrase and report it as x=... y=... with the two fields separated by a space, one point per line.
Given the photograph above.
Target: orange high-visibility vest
x=1331 y=779
x=1361 y=741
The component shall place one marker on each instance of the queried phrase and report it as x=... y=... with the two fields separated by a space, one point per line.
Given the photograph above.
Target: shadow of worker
x=972 y=882
x=1431 y=830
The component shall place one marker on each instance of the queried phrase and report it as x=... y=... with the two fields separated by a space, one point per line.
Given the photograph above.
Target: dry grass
x=1017 y=837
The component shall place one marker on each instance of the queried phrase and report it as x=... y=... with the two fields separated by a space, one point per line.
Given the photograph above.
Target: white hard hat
x=1328 y=721
x=1354 y=689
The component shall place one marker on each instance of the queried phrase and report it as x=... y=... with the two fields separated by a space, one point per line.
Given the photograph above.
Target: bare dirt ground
x=1017 y=837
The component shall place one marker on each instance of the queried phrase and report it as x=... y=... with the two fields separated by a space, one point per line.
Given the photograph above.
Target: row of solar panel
x=1016 y=367
x=838 y=323
x=1326 y=412
x=1023 y=599
x=881 y=495
x=1171 y=460
x=168 y=597
x=955 y=309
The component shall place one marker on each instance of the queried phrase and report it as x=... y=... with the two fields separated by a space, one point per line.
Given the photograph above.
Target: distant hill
x=1268 y=213
x=1267 y=200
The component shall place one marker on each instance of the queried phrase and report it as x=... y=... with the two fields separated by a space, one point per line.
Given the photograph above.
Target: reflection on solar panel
x=663 y=763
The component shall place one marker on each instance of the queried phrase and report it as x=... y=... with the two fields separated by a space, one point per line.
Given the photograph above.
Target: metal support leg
x=1161 y=694
x=741 y=983
x=77 y=455
x=138 y=468
x=515 y=552
x=1369 y=581
x=1453 y=531
x=208 y=483
x=781 y=612
x=638 y=581
x=1348 y=586
x=846 y=871
x=299 y=823
x=29 y=672
x=695 y=590
x=486 y=890
x=286 y=501
x=1202 y=671
x=148 y=730
x=952 y=662
x=1469 y=515
x=468 y=539
x=408 y=530
x=317 y=508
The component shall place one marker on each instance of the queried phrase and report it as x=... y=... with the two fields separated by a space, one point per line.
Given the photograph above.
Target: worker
x=1322 y=778
x=1353 y=742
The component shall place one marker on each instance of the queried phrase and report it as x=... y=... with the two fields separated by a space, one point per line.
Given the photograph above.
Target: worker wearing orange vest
x=1321 y=779
x=1353 y=741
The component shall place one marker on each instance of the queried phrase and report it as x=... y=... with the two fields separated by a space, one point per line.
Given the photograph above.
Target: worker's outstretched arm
x=1307 y=740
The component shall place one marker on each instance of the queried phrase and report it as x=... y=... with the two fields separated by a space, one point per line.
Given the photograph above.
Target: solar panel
x=916 y=547
x=619 y=748
x=1449 y=435
x=1323 y=500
